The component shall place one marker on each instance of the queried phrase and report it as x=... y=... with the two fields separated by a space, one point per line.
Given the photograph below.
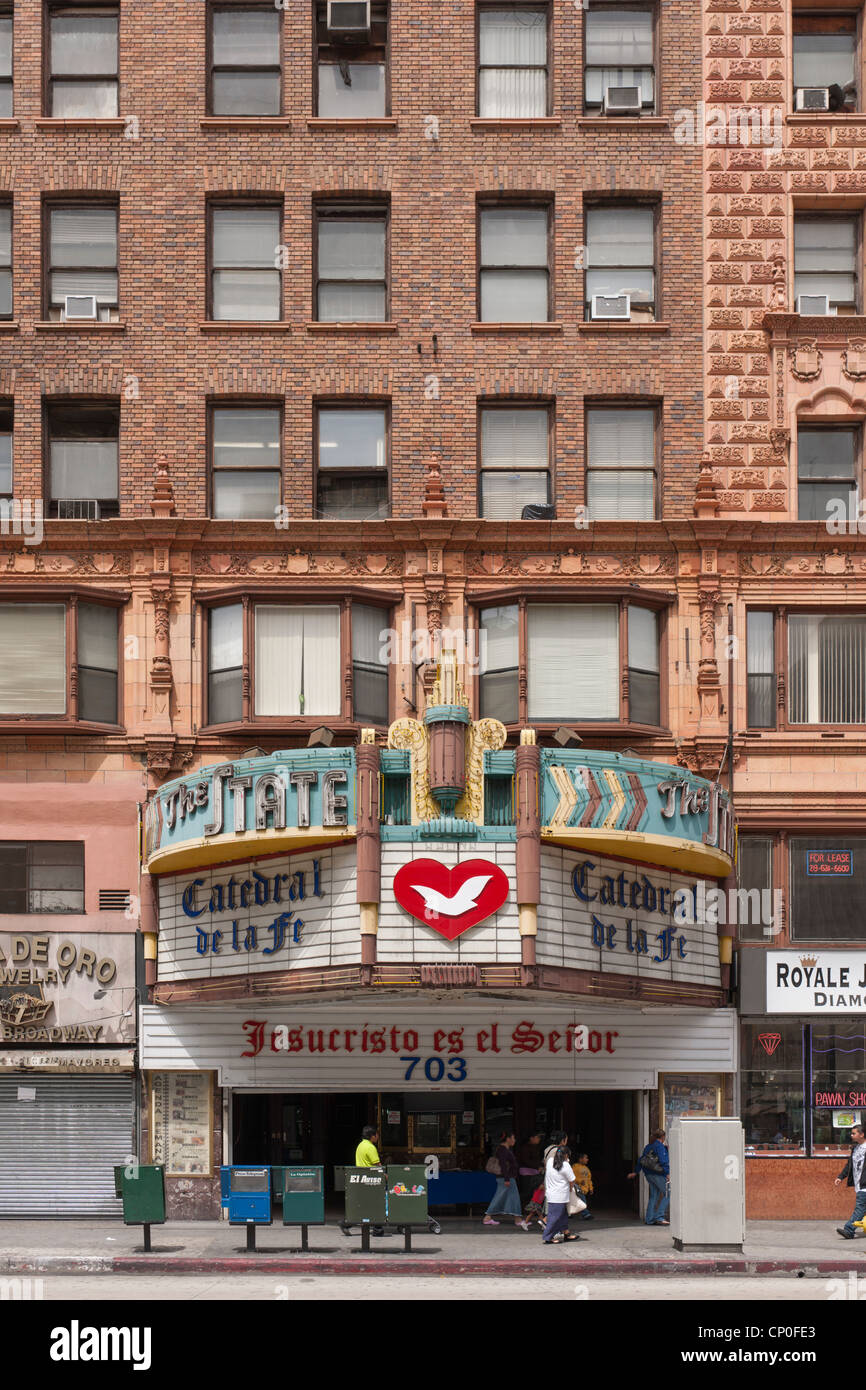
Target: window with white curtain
x=297 y=656
x=826 y=668
x=246 y=475
x=620 y=463
x=5 y=261
x=352 y=74
x=351 y=264
x=620 y=257
x=6 y=110
x=515 y=462
x=6 y=423
x=618 y=52
x=83 y=62
x=32 y=659
x=760 y=670
x=82 y=257
x=512 y=62
x=245 y=61
x=825 y=259
x=827 y=473
x=352 y=474
x=514 y=273
x=245 y=283
x=83 y=455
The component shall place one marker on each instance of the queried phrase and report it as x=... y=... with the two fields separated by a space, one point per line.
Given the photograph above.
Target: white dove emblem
x=465 y=898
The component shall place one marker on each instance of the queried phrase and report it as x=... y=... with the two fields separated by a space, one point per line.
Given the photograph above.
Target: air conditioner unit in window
x=815 y=304
x=78 y=509
x=348 y=16
x=812 y=99
x=621 y=101
x=80 y=306
x=538 y=511
x=611 y=306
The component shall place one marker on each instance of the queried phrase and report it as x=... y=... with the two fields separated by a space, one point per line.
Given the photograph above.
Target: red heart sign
x=450 y=900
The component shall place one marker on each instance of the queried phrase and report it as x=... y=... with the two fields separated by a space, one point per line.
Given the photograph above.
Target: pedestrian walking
x=558 y=1187
x=583 y=1181
x=655 y=1165
x=530 y=1159
x=854 y=1174
x=506 y=1199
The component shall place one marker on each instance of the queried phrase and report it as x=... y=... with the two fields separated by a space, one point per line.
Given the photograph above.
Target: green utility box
x=142 y=1188
x=366 y=1195
x=407 y=1195
x=303 y=1193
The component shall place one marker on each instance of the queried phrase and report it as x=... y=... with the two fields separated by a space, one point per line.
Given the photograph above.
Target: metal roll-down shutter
x=57 y=1152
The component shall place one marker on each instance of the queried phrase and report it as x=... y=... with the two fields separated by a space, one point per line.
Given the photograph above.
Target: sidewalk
x=622 y=1247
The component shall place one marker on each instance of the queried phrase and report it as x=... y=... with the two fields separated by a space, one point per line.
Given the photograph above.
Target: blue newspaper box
x=246 y=1191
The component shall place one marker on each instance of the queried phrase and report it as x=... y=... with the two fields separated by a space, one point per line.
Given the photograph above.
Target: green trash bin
x=366 y=1196
x=141 y=1186
x=407 y=1195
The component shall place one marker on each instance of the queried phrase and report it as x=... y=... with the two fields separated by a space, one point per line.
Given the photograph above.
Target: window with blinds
x=826 y=668
x=572 y=661
x=32 y=659
x=82 y=79
x=620 y=471
x=83 y=455
x=245 y=61
x=760 y=671
x=5 y=261
x=370 y=670
x=82 y=252
x=246 y=475
x=825 y=259
x=351 y=262
x=618 y=52
x=515 y=462
x=513 y=273
x=6 y=107
x=827 y=473
x=297 y=660
x=512 y=62
x=245 y=285
x=620 y=257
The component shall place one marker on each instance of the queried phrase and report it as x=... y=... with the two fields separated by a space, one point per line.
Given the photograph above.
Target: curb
x=567 y=1267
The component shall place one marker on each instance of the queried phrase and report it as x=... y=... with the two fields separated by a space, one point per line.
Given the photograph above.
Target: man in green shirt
x=367 y=1156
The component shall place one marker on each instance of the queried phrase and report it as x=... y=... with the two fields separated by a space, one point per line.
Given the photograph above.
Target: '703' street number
x=434 y=1068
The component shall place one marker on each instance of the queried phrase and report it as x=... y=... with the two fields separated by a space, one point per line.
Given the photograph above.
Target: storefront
x=443 y=937
x=67 y=1071
x=803 y=1076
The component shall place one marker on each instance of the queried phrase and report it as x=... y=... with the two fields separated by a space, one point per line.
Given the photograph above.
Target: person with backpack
x=506 y=1170
x=655 y=1165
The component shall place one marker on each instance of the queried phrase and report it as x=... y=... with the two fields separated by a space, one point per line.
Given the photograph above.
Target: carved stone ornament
x=854 y=360
x=806 y=359
x=780 y=438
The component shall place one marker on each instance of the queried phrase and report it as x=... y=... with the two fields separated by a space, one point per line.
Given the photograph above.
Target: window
x=838 y=1048
x=760 y=671
x=825 y=55
x=82 y=444
x=245 y=61
x=82 y=258
x=6 y=418
x=352 y=482
x=515 y=460
x=352 y=73
x=620 y=257
x=42 y=876
x=245 y=284
x=512 y=62
x=755 y=876
x=772 y=1081
x=35 y=676
x=352 y=278
x=83 y=62
x=296 y=652
x=246 y=462
x=620 y=463
x=826 y=668
x=825 y=260
x=6 y=110
x=574 y=665
x=5 y=261
x=618 y=47
x=826 y=473
x=513 y=265
x=827 y=906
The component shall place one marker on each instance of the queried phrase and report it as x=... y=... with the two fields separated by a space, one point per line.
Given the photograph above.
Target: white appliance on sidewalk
x=708 y=1186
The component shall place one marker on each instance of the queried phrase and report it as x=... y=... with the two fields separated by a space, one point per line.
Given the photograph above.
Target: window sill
x=9 y=123
x=515 y=123
x=289 y=724
x=245 y=326
x=61 y=123
x=826 y=118
x=612 y=326
x=245 y=123
x=355 y=326
x=32 y=724
x=623 y=123
x=352 y=123
x=9 y=326
x=79 y=326
x=503 y=328
x=815 y=325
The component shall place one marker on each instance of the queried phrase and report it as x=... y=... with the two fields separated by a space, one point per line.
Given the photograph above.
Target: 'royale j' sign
x=285 y=797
